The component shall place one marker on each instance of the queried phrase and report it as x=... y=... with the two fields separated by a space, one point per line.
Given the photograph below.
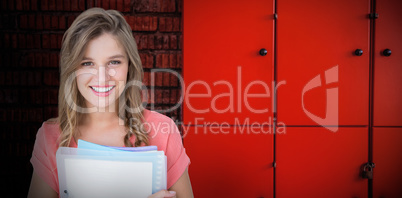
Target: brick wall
x=30 y=39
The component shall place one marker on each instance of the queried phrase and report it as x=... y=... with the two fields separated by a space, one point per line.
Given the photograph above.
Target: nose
x=103 y=74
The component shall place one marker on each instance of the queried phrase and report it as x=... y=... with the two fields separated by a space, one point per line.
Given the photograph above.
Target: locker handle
x=358 y=52
x=263 y=52
x=387 y=52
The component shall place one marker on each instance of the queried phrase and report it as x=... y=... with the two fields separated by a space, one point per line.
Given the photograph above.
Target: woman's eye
x=114 y=62
x=86 y=64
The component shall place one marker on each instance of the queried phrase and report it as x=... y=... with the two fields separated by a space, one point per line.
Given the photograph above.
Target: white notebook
x=92 y=173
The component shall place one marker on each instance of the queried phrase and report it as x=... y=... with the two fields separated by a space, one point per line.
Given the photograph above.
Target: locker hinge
x=275 y=16
x=274 y=164
x=373 y=15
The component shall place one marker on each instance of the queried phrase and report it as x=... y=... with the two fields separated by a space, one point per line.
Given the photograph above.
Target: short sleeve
x=177 y=159
x=42 y=158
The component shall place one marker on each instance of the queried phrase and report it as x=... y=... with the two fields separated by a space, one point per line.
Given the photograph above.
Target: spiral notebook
x=93 y=170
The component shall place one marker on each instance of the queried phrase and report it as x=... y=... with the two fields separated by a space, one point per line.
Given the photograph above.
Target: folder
x=102 y=171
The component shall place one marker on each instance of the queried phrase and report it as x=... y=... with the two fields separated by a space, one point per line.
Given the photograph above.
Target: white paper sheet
x=88 y=178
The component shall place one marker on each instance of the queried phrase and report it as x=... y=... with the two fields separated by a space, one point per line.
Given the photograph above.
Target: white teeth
x=102 y=89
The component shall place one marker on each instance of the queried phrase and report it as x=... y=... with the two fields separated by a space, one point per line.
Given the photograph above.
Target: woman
x=100 y=102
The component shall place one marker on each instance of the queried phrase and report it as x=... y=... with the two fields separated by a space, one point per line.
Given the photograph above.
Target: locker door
x=326 y=82
x=222 y=64
x=231 y=161
x=387 y=156
x=314 y=162
x=388 y=69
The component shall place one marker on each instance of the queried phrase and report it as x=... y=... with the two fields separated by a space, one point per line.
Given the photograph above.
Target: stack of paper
x=93 y=170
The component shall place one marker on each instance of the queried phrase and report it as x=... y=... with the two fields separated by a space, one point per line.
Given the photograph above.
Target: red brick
x=168 y=24
x=173 y=60
x=53 y=41
x=145 y=24
x=46 y=21
x=166 y=96
x=26 y=5
x=165 y=41
x=54 y=23
x=59 y=40
x=36 y=41
x=39 y=22
x=81 y=5
x=45 y=60
x=35 y=96
x=173 y=80
x=38 y=60
x=90 y=3
x=11 y=5
x=120 y=5
x=29 y=41
x=138 y=24
x=158 y=42
x=62 y=22
x=18 y=5
x=74 y=5
x=31 y=22
x=50 y=96
x=153 y=24
x=34 y=5
x=105 y=4
x=51 y=78
x=158 y=96
x=162 y=24
x=54 y=59
x=158 y=79
x=166 y=79
x=50 y=112
x=127 y=6
x=14 y=41
x=146 y=78
x=179 y=61
x=151 y=41
x=112 y=4
x=31 y=60
x=176 y=24
x=23 y=21
x=45 y=41
x=67 y=6
x=179 y=6
x=70 y=20
x=173 y=42
x=173 y=96
x=59 y=4
x=52 y=5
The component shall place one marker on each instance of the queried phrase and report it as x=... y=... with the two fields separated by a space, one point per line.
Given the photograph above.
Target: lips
x=102 y=90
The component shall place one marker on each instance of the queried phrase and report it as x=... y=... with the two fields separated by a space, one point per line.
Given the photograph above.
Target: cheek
x=121 y=74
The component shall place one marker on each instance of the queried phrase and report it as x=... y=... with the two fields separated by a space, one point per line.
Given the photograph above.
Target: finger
x=163 y=194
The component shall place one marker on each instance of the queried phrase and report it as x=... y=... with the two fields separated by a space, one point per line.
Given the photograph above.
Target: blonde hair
x=89 y=25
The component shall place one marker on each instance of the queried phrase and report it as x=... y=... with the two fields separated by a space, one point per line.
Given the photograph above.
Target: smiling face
x=102 y=73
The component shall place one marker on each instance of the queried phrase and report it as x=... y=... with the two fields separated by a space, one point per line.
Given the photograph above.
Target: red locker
x=326 y=82
x=387 y=156
x=388 y=64
x=314 y=162
x=222 y=64
x=230 y=162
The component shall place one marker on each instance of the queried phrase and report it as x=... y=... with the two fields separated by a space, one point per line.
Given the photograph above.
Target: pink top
x=163 y=133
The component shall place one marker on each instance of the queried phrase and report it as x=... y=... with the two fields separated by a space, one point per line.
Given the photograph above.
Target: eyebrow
x=111 y=57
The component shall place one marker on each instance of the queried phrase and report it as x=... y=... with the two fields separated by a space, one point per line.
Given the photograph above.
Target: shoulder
x=160 y=128
x=155 y=117
x=49 y=132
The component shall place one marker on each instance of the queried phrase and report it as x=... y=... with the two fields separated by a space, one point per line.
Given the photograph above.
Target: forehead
x=103 y=46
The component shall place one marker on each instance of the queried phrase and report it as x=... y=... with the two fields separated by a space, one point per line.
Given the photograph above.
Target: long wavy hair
x=87 y=26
